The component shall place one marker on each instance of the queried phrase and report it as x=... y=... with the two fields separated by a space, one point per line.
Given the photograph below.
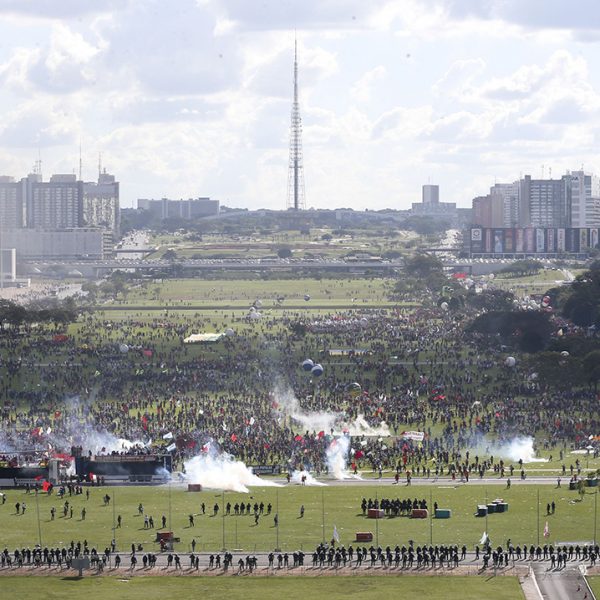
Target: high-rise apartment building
x=55 y=204
x=431 y=195
x=584 y=191
x=544 y=202
x=12 y=208
x=61 y=203
x=100 y=203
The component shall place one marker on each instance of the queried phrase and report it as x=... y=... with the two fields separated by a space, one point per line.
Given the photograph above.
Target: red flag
x=39 y=478
x=359 y=454
x=267 y=446
x=46 y=486
x=147 y=353
x=298 y=438
x=321 y=434
x=234 y=437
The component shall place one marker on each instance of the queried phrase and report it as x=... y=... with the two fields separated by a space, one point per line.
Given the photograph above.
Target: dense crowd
x=417 y=370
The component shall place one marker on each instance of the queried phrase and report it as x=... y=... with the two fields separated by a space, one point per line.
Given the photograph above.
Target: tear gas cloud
x=223 y=472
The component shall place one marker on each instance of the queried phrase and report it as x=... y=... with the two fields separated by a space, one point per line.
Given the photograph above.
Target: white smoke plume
x=517 y=449
x=360 y=427
x=310 y=480
x=337 y=457
x=223 y=472
x=311 y=421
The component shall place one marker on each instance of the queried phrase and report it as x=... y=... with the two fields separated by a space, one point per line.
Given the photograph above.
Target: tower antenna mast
x=296 y=200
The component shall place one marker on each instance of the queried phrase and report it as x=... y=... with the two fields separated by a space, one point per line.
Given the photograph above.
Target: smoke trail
x=223 y=472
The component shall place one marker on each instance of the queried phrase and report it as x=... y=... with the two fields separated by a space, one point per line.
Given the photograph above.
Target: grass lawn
x=339 y=505
x=230 y=588
x=244 y=292
x=595 y=585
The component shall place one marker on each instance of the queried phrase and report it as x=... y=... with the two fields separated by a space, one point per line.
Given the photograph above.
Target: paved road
x=564 y=584
x=440 y=482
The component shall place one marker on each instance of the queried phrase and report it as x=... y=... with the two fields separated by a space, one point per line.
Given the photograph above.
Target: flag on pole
x=171 y=447
x=484 y=538
x=336 y=535
x=168 y=436
x=546 y=530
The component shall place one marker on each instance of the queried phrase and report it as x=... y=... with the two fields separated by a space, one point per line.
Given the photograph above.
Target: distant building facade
x=12 y=208
x=519 y=242
x=63 y=217
x=65 y=244
x=571 y=201
x=180 y=209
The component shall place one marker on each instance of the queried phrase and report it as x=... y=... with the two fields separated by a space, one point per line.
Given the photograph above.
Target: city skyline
x=394 y=95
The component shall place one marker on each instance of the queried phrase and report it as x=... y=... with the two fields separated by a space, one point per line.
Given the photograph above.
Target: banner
x=540 y=245
x=560 y=240
x=509 y=241
x=550 y=239
x=520 y=243
x=417 y=436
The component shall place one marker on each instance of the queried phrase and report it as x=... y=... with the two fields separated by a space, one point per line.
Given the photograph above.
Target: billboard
x=530 y=240
x=561 y=240
x=550 y=240
x=509 y=245
x=540 y=239
x=520 y=243
x=498 y=241
x=488 y=240
x=476 y=239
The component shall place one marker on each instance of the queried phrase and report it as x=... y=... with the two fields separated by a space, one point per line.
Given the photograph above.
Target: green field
x=233 y=588
x=339 y=506
x=595 y=584
x=196 y=292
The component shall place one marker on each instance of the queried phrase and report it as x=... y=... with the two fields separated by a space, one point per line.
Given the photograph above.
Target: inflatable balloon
x=308 y=364
x=364 y=321
x=123 y=348
x=255 y=315
x=564 y=354
x=229 y=332
x=510 y=361
x=444 y=306
x=306 y=297
x=354 y=389
x=317 y=370
x=252 y=309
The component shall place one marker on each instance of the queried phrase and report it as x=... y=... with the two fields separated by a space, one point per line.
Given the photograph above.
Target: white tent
x=197 y=338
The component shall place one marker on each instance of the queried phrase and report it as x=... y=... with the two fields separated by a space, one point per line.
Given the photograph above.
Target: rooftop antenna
x=296 y=198
x=550 y=172
x=542 y=171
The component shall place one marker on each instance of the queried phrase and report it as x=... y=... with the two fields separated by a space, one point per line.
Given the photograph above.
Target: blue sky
x=192 y=98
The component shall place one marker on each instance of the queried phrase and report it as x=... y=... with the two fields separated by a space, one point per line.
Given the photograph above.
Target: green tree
x=591 y=367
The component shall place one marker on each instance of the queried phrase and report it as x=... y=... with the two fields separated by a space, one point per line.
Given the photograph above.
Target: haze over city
x=193 y=99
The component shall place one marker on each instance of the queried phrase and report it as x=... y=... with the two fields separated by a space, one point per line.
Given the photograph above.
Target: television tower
x=295 y=199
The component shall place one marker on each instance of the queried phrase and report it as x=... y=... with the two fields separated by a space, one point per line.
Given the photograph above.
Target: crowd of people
x=417 y=370
x=324 y=556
